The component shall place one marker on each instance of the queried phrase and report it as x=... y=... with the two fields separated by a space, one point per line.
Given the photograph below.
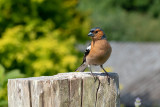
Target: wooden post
x=74 y=89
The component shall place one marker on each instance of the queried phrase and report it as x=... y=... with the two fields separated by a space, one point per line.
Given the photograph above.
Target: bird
x=97 y=52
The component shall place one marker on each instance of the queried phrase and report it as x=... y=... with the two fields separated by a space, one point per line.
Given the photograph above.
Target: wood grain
x=65 y=90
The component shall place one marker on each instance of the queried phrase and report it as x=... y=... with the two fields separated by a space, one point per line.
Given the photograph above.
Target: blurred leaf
x=3 y=103
x=2 y=71
x=13 y=74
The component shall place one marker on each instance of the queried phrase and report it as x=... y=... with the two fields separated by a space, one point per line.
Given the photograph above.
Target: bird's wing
x=86 y=52
x=83 y=66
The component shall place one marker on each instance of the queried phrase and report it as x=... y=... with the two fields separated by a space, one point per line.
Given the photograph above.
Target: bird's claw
x=108 y=79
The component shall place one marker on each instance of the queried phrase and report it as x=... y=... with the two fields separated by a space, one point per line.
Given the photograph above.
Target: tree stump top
x=61 y=76
x=74 y=89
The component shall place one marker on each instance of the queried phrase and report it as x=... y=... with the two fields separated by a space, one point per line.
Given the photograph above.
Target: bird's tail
x=81 y=68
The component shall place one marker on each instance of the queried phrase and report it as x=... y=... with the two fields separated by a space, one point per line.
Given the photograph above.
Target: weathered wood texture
x=65 y=90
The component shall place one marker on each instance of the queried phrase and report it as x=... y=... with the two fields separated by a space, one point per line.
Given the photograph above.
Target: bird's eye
x=96 y=31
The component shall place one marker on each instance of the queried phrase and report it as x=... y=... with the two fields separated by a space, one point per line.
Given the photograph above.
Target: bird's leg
x=91 y=72
x=106 y=74
x=104 y=70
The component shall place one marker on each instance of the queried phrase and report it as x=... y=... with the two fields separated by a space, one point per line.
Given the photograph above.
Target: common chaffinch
x=98 y=52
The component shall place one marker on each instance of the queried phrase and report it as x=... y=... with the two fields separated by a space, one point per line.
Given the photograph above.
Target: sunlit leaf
x=13 y=74
x=2 y=71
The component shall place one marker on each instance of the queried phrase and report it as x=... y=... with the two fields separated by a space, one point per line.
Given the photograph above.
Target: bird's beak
x=90 y=34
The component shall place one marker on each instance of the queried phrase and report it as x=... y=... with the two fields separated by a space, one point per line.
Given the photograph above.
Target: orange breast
x=99 y=53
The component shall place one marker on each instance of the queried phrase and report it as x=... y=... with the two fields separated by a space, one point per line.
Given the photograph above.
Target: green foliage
x=123 y=20
x=38 y=37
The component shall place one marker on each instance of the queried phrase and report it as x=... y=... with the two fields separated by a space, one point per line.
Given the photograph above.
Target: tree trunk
x=74 y=89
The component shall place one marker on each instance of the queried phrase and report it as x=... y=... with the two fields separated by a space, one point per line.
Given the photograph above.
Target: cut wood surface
x=74 y=89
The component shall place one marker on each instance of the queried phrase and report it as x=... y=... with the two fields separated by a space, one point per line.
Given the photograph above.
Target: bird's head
x=96 y=33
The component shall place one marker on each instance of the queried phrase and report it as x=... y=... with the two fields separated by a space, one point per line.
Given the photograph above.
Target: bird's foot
x=108 y=78
x=95 y=78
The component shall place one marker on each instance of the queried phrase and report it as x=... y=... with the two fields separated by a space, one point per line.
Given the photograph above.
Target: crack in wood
x=29 y=89
x=81 y=91
x=43 y=99
x=97 y=92
x=69 y=86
